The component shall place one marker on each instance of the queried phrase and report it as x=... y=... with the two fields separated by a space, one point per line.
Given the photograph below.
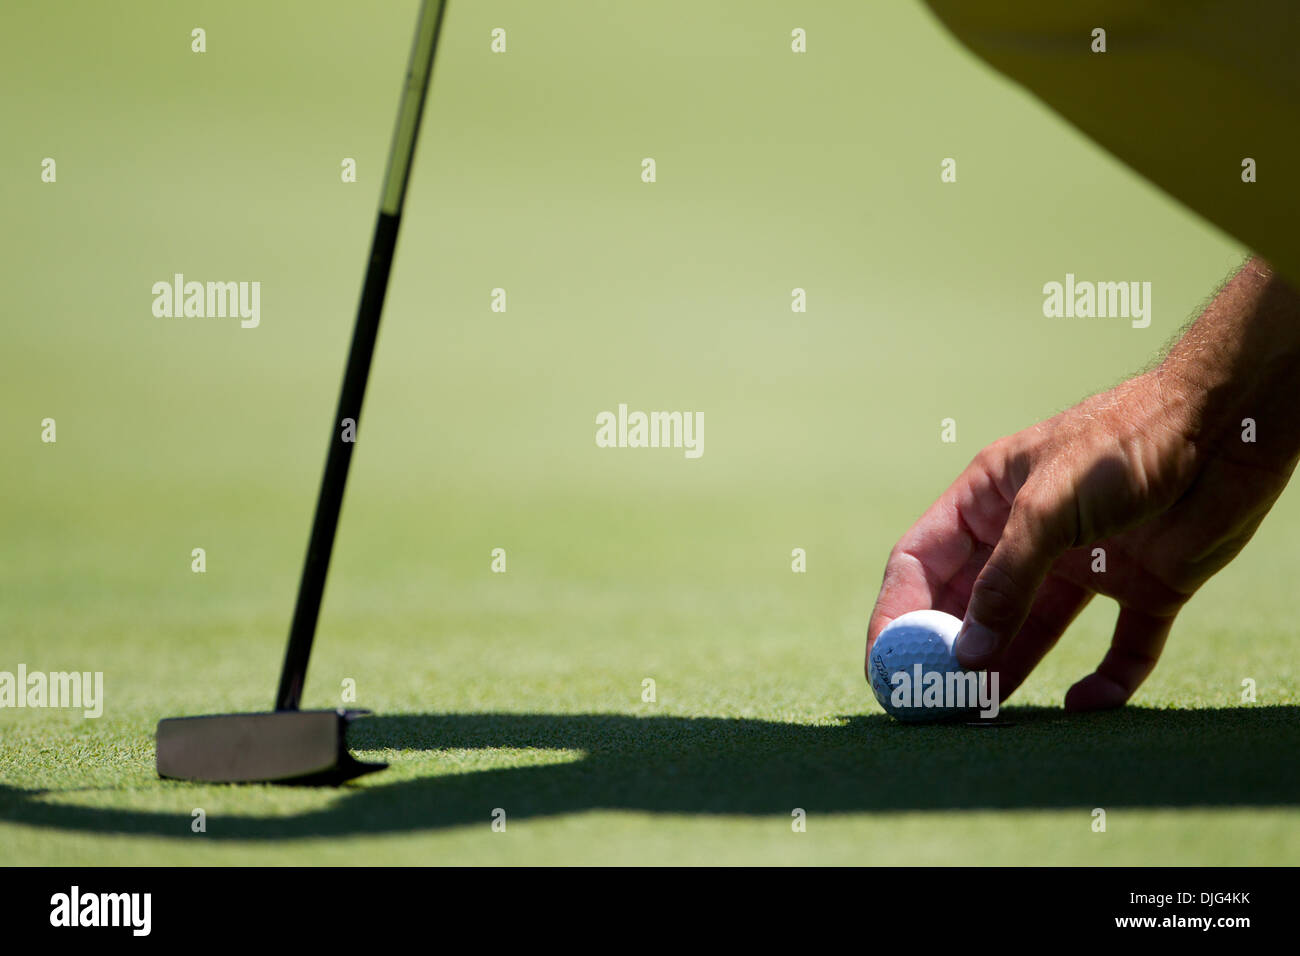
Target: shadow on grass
x=1134 y=757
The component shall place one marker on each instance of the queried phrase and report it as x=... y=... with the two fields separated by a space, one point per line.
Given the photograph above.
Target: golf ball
x=912 y=647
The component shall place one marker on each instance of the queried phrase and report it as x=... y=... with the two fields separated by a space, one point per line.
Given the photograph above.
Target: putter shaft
x=329 y=503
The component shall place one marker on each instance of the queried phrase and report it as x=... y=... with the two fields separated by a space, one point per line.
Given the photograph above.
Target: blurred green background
x=775 y=171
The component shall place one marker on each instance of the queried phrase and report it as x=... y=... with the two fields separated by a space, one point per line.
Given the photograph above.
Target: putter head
x=284 y=746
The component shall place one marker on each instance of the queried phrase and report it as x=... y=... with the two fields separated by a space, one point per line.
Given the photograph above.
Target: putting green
x=523 y=691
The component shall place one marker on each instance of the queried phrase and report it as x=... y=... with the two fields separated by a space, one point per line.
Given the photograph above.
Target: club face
x=289 y=746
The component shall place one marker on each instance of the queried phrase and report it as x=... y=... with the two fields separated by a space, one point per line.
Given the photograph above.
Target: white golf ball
x=913 y=646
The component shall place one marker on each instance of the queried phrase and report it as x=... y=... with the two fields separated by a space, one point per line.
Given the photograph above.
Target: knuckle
x=1042 y=514
x=991 y=456
x=1034 y=509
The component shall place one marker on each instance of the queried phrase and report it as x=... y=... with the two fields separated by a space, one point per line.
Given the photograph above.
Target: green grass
x=523 y=691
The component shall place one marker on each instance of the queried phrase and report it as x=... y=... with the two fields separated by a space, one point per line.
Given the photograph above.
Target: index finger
x=934 y=565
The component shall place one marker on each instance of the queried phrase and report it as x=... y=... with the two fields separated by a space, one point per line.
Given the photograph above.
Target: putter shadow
x=1135 y=757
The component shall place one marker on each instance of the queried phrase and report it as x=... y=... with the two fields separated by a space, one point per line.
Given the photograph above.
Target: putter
x=289 y=745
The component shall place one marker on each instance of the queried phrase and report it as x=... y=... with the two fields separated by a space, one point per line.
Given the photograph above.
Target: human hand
x=1154 y=472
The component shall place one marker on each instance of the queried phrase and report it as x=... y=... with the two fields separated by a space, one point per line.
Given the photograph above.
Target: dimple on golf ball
x=918 y=644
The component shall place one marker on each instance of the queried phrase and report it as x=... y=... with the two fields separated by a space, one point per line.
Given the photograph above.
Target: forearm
x=1241 y=360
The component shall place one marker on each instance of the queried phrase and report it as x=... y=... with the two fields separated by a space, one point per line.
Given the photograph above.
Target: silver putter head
x=284 y=746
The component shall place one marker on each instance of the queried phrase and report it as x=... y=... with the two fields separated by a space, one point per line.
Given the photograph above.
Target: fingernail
x=975 y=642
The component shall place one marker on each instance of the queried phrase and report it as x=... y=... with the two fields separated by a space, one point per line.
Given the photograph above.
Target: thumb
x=1040 y=527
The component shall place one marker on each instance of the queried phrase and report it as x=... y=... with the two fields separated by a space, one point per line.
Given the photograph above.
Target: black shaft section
x=328 y=505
